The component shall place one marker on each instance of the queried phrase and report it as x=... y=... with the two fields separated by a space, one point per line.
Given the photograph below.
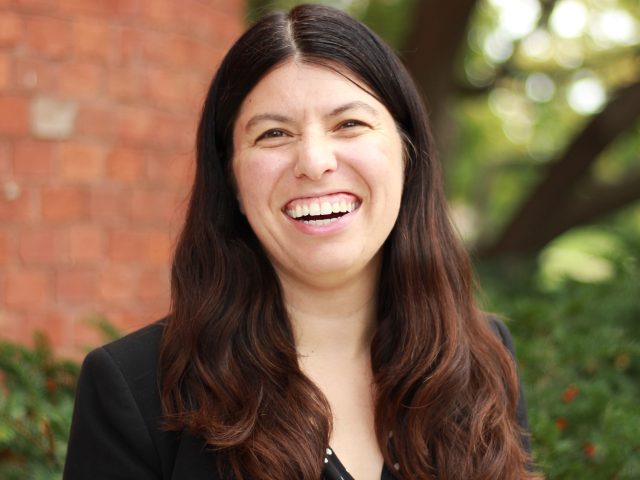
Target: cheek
x=381 y=162
x=256 y=179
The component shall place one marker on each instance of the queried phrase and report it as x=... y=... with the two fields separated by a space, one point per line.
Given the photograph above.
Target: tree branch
x=598 y=201
x=532 y=223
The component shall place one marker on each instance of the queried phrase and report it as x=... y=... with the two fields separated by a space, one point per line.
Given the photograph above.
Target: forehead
x=299 y=86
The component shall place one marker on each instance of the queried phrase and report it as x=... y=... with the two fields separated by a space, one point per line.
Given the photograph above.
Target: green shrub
x=37 y=391
x=579 y=352
x=36 y=402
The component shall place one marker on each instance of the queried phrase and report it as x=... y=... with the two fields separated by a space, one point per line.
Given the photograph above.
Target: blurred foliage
x=37 y=391
x=36 y=402
x=530 y=79
x=578 y=346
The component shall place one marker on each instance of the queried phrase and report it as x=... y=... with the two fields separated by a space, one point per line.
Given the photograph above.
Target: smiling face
x=318 y=168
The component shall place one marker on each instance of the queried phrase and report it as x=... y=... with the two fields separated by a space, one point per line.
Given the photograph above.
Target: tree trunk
x=432 y=48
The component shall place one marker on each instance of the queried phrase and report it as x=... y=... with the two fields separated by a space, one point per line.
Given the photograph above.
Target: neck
x=333 y=319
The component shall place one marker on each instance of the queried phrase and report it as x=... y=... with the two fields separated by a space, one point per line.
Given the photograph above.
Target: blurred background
x=535 y=106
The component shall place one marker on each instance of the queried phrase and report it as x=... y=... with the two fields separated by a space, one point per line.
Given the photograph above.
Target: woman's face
x=318 y=167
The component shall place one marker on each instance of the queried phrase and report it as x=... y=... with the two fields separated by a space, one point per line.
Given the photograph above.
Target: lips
x=321 y=210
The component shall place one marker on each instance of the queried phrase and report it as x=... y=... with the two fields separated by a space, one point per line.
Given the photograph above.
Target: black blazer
x=115 y=432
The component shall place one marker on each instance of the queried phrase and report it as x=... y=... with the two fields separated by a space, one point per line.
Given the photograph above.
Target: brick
x=64 y=204
x=32 y=159
x=15 y=203
x=175 y=90
x=237 y=8
x=6 y=154
x=36 y=75
x=212 y=23
x=174 y=170
x=42 y=246
x=94 y=8
x=176 y=50
x=125 y=8
x=146 y=247
x=92 y=40
x=200 y=18
x=96 y=122
x=173 y=131
x=116 y=284
x=109 y=206
x=126 y=246
x=76 y=286
x=158 y=248
x=48 y=37
x=7 y=247
x=135 y=126
x=86 y=245
x=126 y=164
x=14 y=116
x=52 y=324
x=6 y=72
x=154 y=288
x=160 y=13
x=37 y=6
x=124 y=83
x=153 y=207
x=129 y=46
x=12 y=324
x=82 y=162
x=52 y=118
x=81 y=80
x=11 y=27
x=28 y=289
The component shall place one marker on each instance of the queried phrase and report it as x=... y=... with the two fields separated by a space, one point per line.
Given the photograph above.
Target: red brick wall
x=98 y=108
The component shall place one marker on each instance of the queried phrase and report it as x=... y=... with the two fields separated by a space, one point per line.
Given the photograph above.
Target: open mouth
x=314 y=212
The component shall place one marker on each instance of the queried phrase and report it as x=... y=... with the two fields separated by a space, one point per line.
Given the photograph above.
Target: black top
x=116 y=434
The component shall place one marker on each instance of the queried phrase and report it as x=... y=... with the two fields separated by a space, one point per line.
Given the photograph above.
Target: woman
x=321 y=300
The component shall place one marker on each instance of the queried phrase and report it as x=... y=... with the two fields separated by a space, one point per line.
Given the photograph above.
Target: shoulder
x=132 y=363
x=501 y=330
x=117 y=420
x=136 y=353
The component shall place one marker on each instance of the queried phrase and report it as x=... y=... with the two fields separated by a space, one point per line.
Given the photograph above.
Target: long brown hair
x=446 y=386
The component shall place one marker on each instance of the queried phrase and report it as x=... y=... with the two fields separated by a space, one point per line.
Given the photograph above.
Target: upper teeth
x=324 y=208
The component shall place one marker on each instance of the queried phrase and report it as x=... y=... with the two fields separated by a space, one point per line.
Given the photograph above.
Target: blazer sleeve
x=109 y=438
x=521 y=408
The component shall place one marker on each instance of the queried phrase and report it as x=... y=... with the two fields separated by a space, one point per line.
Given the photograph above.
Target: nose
x=315 y=158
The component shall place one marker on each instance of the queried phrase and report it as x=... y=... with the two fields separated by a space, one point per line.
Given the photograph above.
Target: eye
x=273 y=133
x=351 y=123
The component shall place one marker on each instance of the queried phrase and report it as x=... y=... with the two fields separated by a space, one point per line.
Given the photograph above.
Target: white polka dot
x=329 y=452
x=390 y=433
x=396 y=466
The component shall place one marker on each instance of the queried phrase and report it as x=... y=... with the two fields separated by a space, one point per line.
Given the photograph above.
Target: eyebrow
x=275 y=117
x=353 y=106
x=265 y=117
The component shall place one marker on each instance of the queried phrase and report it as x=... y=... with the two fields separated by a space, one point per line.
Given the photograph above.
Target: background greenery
x=521 y=88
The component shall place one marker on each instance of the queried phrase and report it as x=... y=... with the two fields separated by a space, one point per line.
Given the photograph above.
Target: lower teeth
x=325 y=221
